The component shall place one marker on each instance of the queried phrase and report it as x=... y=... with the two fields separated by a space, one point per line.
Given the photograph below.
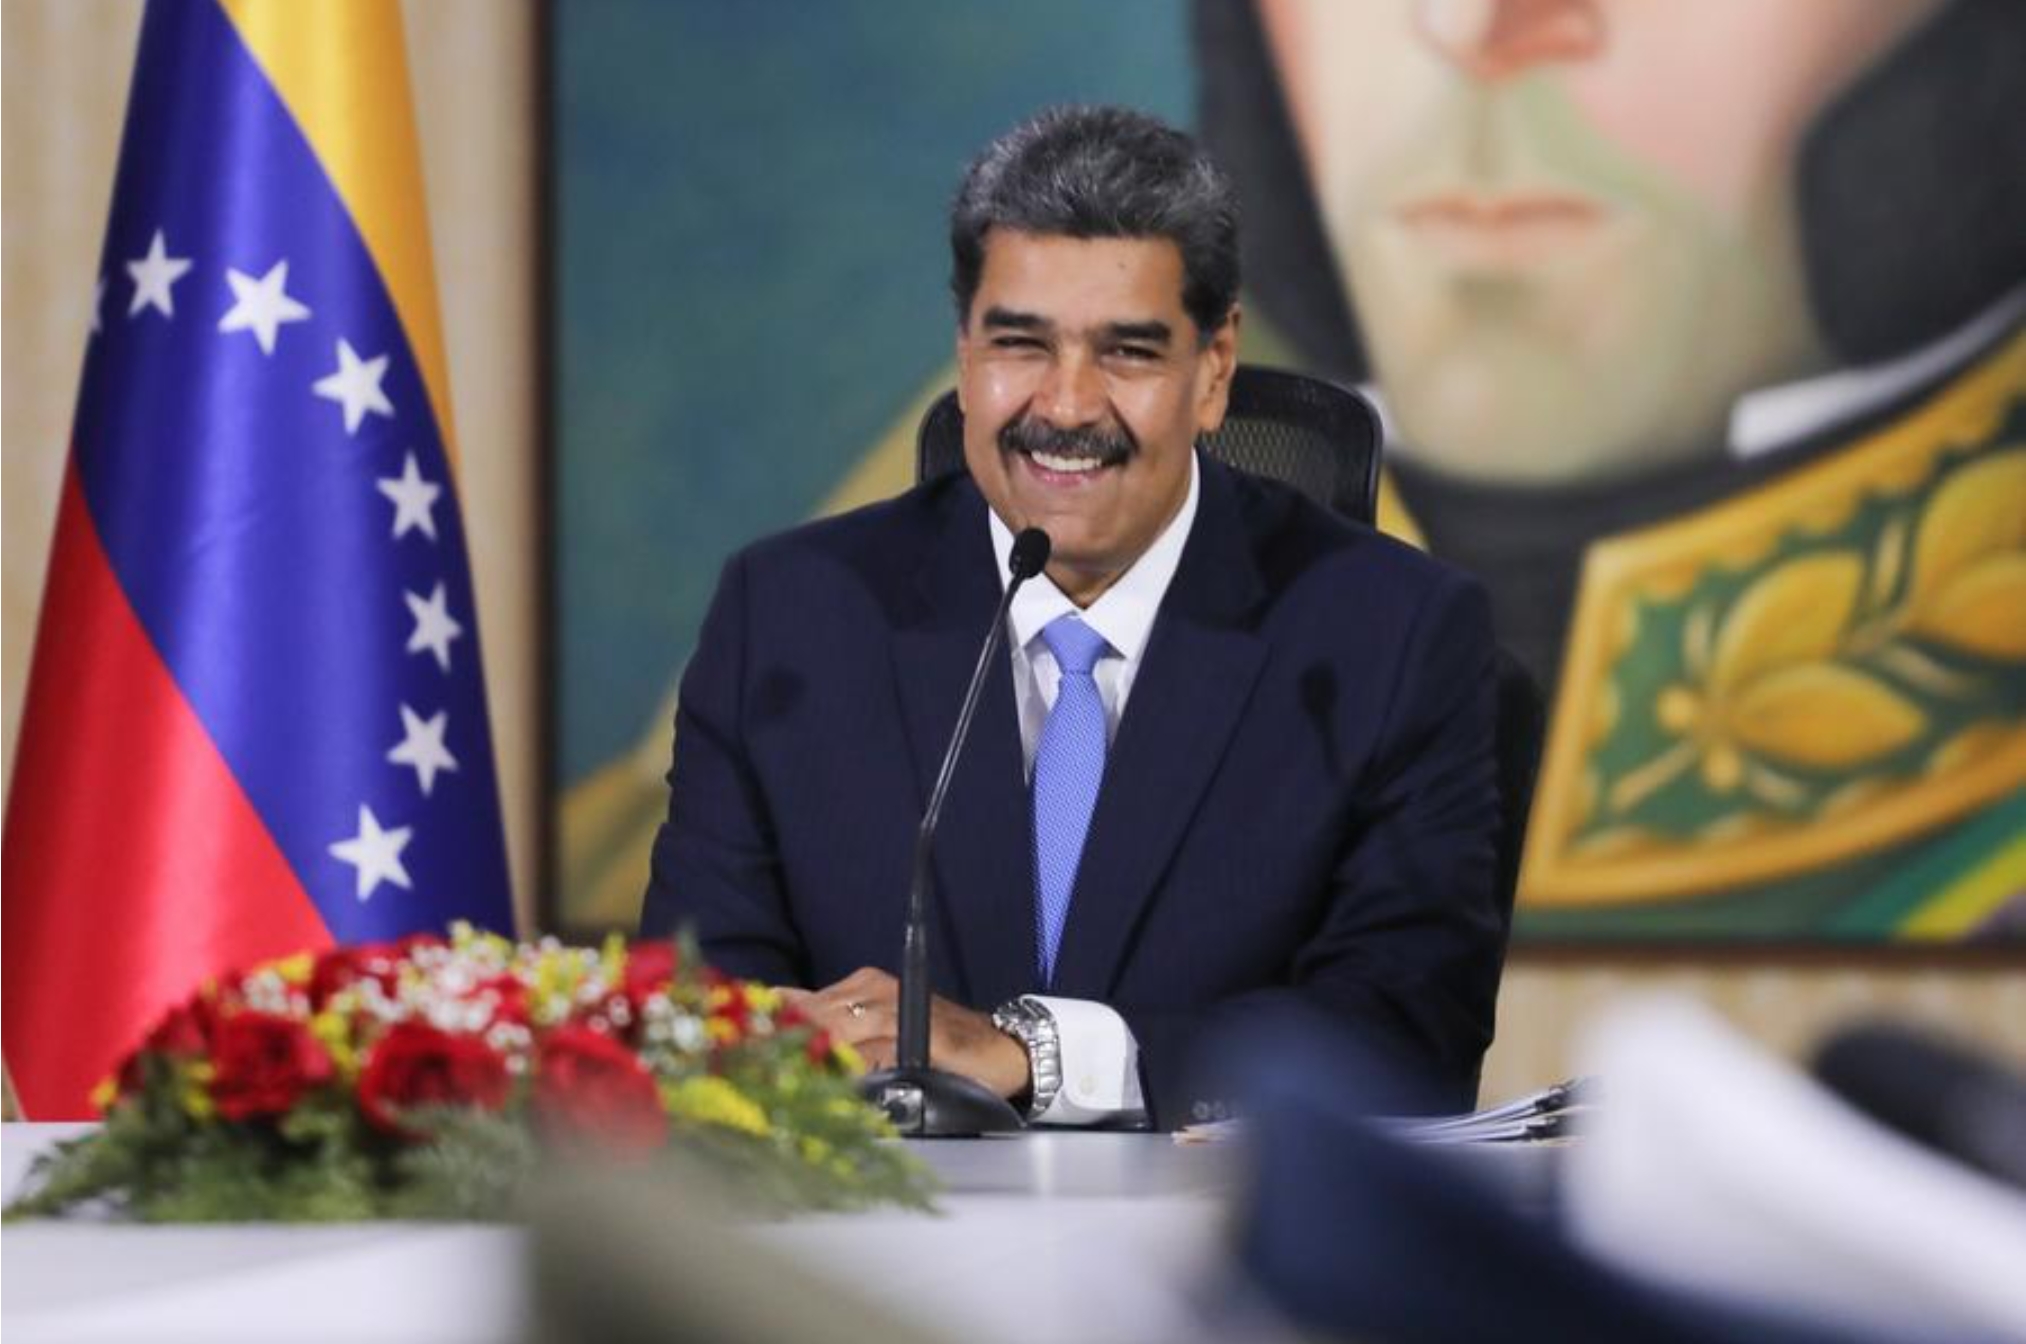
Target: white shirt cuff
x=1100 y=1065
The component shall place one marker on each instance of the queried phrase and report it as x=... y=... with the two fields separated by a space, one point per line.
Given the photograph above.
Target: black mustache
x=1110 y=446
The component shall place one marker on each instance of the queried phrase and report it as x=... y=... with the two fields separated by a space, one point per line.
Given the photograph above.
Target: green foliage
x=165 y=1168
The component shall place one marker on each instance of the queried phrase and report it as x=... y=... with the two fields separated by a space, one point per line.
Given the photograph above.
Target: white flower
x=688 y=1033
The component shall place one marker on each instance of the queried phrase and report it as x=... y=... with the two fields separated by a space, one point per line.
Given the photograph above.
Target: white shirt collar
x=1125 y=613
x=1771 y=418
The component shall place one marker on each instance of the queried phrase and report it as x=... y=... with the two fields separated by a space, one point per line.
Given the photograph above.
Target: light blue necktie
x=1068 y=766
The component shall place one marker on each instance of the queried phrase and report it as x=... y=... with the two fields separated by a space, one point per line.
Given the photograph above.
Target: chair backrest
x=1320 y=438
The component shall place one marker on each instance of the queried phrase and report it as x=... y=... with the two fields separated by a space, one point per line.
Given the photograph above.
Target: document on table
x=1549 y=1114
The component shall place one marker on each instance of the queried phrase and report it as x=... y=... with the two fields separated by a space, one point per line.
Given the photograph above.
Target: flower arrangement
x=429 y=1078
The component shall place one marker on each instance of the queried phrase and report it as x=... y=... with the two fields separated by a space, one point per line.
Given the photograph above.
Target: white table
x=1055 y=1237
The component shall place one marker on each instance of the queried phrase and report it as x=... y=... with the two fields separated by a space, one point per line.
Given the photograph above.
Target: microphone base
x=929 y=1103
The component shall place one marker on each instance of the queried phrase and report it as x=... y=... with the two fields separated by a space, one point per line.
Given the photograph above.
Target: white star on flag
x=375 y=853
x=421 y=746
x=414 y=500
x=261 y=306
x=356 y=384
x=154 y=275
x=434 y=628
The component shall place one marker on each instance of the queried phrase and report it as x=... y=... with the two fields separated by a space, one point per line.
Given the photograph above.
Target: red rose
x=416 y=1064
x=819 y=1048
x=509 y=998
x=342 y=966
x=589 y=1088
x=182 y=1033
x=649 y=968
x=263 y=1064
x=184 y=1029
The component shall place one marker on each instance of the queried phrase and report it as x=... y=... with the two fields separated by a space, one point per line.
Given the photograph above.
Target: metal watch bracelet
x=1028 y=1021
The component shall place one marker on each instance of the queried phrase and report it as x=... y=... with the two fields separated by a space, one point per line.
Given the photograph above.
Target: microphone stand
x=923 y=1101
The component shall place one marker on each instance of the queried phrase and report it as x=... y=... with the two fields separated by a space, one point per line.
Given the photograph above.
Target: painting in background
x=1698 y=329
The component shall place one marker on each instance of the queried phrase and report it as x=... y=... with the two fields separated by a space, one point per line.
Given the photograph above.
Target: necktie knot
x=1075 y=645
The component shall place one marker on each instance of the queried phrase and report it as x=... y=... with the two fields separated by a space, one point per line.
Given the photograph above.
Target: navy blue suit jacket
x=1299 y=807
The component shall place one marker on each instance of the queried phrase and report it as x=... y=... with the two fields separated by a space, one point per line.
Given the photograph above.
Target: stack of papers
x=1550 y=1114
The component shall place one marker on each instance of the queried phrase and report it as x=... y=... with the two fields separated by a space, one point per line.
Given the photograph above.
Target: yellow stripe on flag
x=341 y=68
x=1970 y=900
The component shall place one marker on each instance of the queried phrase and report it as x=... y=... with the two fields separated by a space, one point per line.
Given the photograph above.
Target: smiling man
x=1237 y=762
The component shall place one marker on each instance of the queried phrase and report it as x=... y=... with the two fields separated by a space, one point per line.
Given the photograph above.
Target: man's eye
x=1015 y=343
x=1136 y=352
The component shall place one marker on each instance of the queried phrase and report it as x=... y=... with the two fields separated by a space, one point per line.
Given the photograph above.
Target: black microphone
x=920 y=1099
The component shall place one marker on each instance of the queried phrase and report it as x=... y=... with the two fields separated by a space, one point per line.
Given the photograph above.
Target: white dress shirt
x=1100 y=1058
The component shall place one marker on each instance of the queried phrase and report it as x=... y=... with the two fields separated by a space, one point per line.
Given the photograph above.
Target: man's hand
x=863 y=1011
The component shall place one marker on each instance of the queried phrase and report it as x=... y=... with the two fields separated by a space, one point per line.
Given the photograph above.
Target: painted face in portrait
x=1569 y=224
x=1084 y=385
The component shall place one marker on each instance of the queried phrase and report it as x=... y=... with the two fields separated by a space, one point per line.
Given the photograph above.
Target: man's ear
x=1220 y=361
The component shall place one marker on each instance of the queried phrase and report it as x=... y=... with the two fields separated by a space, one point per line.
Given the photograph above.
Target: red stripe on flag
x=134 y=864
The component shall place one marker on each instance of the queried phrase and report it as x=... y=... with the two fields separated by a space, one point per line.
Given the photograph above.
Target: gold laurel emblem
x=1825 y=667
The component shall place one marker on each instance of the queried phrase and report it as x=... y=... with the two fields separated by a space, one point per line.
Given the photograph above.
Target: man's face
x=1084 y=386
x=1568 y=223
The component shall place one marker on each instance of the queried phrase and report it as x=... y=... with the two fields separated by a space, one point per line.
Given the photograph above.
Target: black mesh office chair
x=1324 y=441
x=1315 y=436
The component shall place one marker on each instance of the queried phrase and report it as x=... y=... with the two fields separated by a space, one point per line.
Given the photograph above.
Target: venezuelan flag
x=256 y=714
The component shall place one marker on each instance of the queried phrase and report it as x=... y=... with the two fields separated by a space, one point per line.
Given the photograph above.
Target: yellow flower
x=336 y=1035
x=196 y=1091
x=763 y=999
x=710 y=1100
x=296 y=969
x=464 y=937
x=556 y=980
x=105 y=1094
x=853 y=1062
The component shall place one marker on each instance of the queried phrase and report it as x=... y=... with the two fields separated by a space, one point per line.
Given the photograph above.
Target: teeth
x=1068 y=464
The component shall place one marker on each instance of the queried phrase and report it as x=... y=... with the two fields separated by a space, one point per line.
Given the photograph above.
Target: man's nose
x=1073 y=394
x=1491 y=40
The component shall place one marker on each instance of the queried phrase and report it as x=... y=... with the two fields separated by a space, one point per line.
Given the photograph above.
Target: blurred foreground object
x=621 y=1260
x=1350 y=1233
x=1716 y=1168
x=1933 y=1091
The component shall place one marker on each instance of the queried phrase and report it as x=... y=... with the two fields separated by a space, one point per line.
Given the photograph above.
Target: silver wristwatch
x=1028 y=1021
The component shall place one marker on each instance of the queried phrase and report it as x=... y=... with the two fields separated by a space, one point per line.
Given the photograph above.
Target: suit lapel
x=1201 y=663
x=984 y=910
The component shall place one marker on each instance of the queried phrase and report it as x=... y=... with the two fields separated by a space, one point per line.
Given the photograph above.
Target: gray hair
x=1102 y=172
